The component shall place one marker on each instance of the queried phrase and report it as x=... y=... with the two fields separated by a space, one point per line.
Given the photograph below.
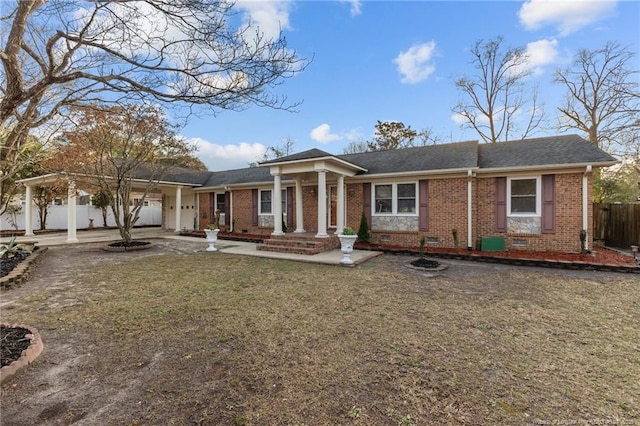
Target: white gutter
x=469 y=210
x=585 y=204
x=230 y=224
x=368 y=177
x=569 y=167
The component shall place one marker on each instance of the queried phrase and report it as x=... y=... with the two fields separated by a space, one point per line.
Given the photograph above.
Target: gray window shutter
x=423 y=206
x=501 y=204
x=548 y=204
x=254 y=206
x=366 y=201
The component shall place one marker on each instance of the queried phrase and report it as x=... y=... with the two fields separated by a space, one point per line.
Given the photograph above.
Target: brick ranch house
x=536 y=194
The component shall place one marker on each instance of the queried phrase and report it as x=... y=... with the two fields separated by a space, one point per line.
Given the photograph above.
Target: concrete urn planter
x=212 y=237
x=346 y=246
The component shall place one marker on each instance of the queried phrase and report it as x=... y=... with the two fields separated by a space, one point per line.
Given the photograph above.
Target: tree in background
x=496 y=103
x=120 y=149
x=31 y=149
x=57 y=54
x=621 y=185
x=602 y=99
x=356 y=147
x=187 y=162
x=391 y=135
x=276 y=151
x=102 y=200
x=43 y=196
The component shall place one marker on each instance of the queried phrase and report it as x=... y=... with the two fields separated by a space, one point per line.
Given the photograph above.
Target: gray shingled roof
x=460 y=155
x=239 y=176
x=304 y=155
x=555 y=150
x=569 y=149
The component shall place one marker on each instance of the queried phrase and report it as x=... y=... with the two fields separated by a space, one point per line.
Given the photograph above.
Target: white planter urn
x=212 y=237
x=346 y=246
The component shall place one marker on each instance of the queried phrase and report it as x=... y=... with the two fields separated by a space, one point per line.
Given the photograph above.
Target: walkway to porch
x=331 y=257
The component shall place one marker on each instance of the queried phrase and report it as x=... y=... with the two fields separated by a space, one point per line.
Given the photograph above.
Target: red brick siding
x=568 y=207
x=447 y=211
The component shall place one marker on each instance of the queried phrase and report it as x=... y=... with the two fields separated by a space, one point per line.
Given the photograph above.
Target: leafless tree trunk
x=602 y=99
x=57 y=54
x=496 y=103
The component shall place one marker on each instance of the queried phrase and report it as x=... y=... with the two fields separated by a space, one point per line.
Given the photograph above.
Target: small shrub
x=454 y=232
x=583 y=241
x=363 y=231
x=348 y=231
x=423 y=239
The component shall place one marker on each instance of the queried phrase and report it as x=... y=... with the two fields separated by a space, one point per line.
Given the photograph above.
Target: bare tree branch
x=495 y=98
x=602 y=100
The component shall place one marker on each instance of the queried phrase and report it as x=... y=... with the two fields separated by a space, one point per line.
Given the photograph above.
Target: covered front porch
x=325 y=175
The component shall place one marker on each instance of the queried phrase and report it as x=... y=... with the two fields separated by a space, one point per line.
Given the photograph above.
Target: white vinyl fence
x=57 y=218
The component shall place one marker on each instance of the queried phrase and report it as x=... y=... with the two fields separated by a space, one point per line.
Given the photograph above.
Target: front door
x=333 y=206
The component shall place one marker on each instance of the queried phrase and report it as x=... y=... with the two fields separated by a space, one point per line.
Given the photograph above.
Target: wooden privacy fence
x=617 y=224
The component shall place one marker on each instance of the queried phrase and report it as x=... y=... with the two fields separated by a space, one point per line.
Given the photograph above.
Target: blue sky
x=397 y=61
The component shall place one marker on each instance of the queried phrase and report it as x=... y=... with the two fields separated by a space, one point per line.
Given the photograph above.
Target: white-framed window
x=266 y=202
x=220 y=202
x=395 y=199
x=523 y=196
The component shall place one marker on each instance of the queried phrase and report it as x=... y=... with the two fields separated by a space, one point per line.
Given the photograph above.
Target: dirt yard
x=175 y=335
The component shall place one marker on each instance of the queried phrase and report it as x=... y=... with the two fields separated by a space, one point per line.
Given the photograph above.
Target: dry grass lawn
x=170 y=338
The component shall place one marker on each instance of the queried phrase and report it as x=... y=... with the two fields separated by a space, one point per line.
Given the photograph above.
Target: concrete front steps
x=306 y=243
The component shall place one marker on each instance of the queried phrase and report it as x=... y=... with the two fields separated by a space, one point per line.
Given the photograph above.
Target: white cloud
x=542 y=53
x=270 y=16
x=566 y=16
x=356 y=6
x=226 y=157
x=322 y=134
x=539 y=54
x=458 y=118
x=414 y=64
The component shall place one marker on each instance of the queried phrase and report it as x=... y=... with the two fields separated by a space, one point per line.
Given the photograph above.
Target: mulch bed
x=14 y=341
x=425 y=263
x=7 y=264
x=600 y=256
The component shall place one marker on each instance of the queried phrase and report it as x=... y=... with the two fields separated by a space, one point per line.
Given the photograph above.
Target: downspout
x=230 y=224
x=469 y=210
x=585 y=204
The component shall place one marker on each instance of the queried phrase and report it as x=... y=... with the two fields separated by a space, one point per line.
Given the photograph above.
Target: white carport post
x=299 y=211
x=28 y=212
x=178 y=209
x=71 y=213
x=277 y=205
x=322 y=204
x=340 y=206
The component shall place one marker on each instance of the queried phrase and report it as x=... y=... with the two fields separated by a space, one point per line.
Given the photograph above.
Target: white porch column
x=71 y=213
x=28 y=212
x=299 y=208
x=340 y=207
x=277 y=205
x=322 y=204
x=178 y=209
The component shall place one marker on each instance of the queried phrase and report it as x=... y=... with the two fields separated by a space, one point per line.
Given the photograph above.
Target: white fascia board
x=50 y=177
x=314 y=160
x=418 y=173
x=558 y=168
